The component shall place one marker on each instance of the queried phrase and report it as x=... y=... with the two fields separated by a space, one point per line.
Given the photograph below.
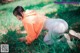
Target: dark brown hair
x=18 y=10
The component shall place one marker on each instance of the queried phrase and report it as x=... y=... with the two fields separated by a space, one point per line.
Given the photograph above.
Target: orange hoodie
x=33 y=23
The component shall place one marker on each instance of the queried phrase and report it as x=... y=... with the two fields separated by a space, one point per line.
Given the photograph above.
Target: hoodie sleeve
x=33 y=25
x=31 y=34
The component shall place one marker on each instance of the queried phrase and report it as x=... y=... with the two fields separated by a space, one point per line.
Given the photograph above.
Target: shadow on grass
x=51 y=15
x=71 y=16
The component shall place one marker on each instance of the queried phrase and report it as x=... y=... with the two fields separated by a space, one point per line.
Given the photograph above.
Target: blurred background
x=9 y=24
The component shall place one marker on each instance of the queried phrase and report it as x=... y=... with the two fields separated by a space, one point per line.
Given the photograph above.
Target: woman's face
x=19 y=17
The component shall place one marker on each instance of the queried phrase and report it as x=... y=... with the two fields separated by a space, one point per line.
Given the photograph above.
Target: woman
x=34 y=22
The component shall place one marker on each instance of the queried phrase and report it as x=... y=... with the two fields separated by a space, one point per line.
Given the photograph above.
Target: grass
x=38 y=46
x=9 y=24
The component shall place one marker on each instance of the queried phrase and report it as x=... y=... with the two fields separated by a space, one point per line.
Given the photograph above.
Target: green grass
x=38 y=46
x=9 y=23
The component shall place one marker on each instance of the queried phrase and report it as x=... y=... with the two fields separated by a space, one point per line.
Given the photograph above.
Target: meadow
x=9 y=26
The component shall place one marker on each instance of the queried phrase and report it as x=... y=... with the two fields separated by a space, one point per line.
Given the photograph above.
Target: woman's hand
x=22 y=39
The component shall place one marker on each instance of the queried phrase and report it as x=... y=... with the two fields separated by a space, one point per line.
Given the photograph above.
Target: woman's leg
x=51 y=37
x=47 y=38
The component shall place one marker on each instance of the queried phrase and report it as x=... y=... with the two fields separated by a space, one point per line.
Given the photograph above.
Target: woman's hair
x=18 y=10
